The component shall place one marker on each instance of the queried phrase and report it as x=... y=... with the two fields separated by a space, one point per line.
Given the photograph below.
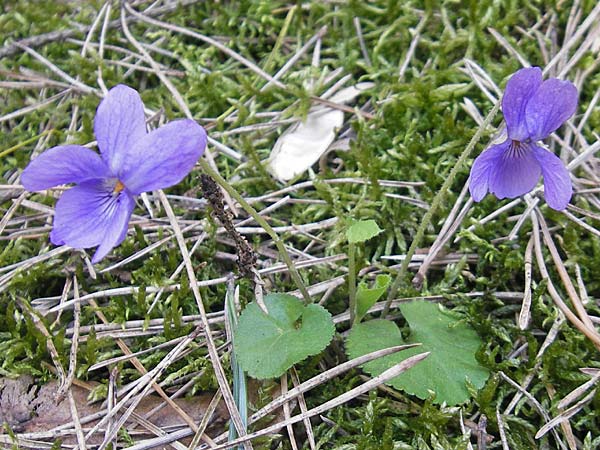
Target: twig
x=212 y=351
x=286 y=413
x=304 y=409
x=581 y=29
x=35 y=107
x=263 y=223
x=205 y=39
x=413 y=46
x=246 y=257
x=501 y=431
x=75 y=338
x=533 y=401
x=157 y=70
x=450 y=226
x=143 y=385
x=75 y=416
x=290 y=63
x=69 y=79
x=550 y=338
x=60 y=371
x=591 y=334
x=361 y=41
x=525 y=314
x=210 y=410
x=564 y=276
x=142 y=370
x=57 y=36
x=101 y=47
x=575 y=393
x=341 y=399
x=278 y=402
x=565 y=415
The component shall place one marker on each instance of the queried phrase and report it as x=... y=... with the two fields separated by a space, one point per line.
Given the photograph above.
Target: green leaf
x=366 y=297
x=268 y=345
x=362 y=231
x=452 y=344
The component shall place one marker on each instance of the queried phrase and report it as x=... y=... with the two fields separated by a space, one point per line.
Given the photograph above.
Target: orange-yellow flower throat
x=119 y=186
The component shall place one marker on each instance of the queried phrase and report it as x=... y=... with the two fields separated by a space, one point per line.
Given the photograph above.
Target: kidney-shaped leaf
x=267 y=345
x=452 y=344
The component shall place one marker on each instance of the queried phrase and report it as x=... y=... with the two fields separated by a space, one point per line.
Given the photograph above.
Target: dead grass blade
x=339 y=400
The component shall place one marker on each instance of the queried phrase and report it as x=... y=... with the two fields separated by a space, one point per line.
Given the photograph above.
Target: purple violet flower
x=533 y=109
x=96 y=211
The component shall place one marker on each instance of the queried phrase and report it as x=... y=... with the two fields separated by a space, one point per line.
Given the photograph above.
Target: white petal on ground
x=301 y=145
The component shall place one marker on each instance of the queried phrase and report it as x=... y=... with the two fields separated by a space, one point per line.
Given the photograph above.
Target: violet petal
x=482 y=169
x=117 y=228
x=119 y=124
x=519 y=90
x=163 y=157
x=558 y=188
x=551 y=106
x=89 y=214
x=515 y=173
x=61 y=165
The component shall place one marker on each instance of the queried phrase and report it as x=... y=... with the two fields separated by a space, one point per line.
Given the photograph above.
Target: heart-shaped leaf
x=452 y=344
x=267 y=345
x=366 y=296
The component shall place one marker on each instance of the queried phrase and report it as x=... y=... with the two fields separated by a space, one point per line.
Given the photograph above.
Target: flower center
x=516 y=149
x=119 y=186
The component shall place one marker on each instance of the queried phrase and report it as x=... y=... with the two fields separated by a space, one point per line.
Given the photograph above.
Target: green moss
x=418 y=131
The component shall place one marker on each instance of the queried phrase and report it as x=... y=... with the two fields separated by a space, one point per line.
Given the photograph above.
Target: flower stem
x=352 y=281
x=263 y=223
x=437 y=200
